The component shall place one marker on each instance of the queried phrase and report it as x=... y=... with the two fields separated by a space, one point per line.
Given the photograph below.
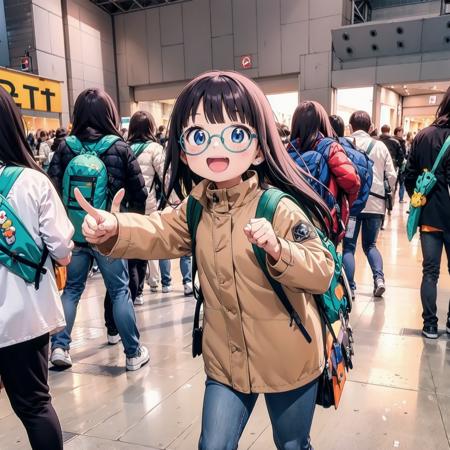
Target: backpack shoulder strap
x=442 y=152
x=8 y=178
x=370 y=147
x=194 y=214
x=138 y=147
x=267 y=207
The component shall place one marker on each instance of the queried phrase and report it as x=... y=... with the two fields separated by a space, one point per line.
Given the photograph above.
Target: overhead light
x=405 y=87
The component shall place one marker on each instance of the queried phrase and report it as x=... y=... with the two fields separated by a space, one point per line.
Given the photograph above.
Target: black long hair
x=243 y=101
x=14 y=148
x=310 y=119
x=142 y=127
x=95 y=114
x=443 y=111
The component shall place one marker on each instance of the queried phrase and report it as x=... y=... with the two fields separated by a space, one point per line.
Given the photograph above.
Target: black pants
x=24 y=371
x=137 y=270
x=432 y=245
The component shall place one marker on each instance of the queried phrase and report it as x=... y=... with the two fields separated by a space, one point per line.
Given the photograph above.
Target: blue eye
x=238 y=135
x=199 y=137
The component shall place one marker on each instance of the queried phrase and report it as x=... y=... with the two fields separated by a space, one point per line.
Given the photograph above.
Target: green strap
x=267 y=207
x=138 y=148
x=370 y=147
x=442 y=152
x=8 y=178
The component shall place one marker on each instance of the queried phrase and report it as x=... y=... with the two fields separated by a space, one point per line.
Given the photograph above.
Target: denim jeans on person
x=432 y=245
x=185 y=268
x=370 y=225
x=115 y=276
x=226 y=413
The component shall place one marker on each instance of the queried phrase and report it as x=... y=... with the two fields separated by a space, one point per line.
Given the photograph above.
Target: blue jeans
x=226 y=413
x=370 y=225
x=115 y=276
x=185 y=268
x=432 y=246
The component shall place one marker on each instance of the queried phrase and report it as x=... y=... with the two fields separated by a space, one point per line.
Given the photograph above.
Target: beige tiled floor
x=398 y=395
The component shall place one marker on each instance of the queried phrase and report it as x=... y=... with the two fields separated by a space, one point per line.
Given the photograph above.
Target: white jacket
x=383 y=167
x=26 y=313
x=151 y=161
x=44 y=152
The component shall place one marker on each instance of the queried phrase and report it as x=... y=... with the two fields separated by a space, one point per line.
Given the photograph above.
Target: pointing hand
x=99 y=225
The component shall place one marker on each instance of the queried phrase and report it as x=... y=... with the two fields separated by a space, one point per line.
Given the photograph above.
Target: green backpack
x=88 y=173
x=424 y=184
x=19 y=253
x=333 y=304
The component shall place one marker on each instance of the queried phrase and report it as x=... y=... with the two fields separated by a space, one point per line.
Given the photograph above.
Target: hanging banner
x=31 y=91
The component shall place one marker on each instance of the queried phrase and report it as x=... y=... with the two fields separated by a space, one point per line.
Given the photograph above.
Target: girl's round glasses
x=235 y=138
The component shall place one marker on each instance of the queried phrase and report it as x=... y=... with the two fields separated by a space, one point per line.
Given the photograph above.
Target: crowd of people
x=125 y=200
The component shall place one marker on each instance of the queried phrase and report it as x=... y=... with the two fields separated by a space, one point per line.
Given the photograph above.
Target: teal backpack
x=88 y=173
x=19 y=252
x=333 y=304
x=424 y=184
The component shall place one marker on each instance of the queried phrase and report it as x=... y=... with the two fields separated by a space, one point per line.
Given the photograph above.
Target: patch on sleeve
x=303 y=231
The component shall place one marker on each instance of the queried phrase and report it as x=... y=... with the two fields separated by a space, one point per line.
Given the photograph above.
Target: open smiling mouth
x=218 y=164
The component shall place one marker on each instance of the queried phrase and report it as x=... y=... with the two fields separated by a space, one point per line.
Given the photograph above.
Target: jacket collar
x=224 y=200
x=361 y=134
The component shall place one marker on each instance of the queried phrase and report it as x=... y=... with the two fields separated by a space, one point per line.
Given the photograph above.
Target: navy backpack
x=315 y=164
x=364 y=166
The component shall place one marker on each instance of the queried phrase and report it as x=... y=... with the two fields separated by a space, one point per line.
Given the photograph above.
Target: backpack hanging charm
x=7 y=228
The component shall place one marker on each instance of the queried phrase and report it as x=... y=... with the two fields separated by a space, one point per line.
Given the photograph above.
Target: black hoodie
x=424 y=151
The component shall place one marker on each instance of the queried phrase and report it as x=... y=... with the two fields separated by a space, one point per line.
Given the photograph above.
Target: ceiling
x=124 y=6
x=429 y=88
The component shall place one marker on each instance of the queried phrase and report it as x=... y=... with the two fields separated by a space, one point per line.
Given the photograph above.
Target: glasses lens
x=236 y=138
x=195 y=140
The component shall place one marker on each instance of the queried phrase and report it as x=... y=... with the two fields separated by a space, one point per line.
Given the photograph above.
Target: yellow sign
x=32 y=92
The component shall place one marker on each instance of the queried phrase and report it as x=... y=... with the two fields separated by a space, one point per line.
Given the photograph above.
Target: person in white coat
x=371 y=218
x=29 y=315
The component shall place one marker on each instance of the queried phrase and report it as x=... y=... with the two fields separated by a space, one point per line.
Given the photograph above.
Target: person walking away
x=224 y=133
x=60 y=135
x=43 y=149
x=315 y=149
x=370 y=220
x=435 y=216
x=29 y=315
x=95 y=142
x=398 y=134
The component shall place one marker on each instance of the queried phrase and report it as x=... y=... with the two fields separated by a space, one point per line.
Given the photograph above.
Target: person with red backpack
x=332 y=174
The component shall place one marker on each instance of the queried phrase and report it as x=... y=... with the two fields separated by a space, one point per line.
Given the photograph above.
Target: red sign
x=246 y=62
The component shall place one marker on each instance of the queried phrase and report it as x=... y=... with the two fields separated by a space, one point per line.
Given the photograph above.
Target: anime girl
x=224 y=150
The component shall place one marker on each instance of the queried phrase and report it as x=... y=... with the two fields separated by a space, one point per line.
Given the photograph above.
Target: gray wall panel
x=294 y=39
x=269 y=37
x=136 y=44
x=324 y=8
x=173 y=63
x=294 y=11
x=197 y=37
x=154 y=46
x=222 y=53
x=244 y=23
x=320 y=33
x=171 y=25
x=221 y=17
x=4 y=51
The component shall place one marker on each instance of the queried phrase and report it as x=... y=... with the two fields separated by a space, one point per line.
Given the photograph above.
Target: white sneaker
x=188 y=289
x=139 y=360
x=61 y=358
x=154 y=288
x=166 y=289
x=139 y=300
x=114 y=339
